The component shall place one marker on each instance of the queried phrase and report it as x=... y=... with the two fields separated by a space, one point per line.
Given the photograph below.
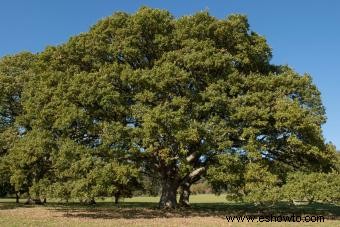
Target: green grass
x=200 y=198
x=206 y=210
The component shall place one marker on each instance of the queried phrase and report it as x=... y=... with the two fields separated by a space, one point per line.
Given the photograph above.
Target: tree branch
x=192 y=157
x=197 y=172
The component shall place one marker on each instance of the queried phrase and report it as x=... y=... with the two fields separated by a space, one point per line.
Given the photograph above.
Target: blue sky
x=304 y=34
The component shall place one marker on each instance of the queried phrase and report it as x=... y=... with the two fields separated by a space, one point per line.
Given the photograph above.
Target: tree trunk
x=169 y=191
x=193 y=177
x=185 y=194
x=45 y=200
x=16 y=197
x=117 y=195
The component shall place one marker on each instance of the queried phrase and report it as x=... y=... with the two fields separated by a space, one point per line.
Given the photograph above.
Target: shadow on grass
x=149 y=210
x=132 y=210
x=11 y=205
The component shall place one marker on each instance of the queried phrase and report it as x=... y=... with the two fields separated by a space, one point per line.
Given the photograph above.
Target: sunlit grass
x=200 y=198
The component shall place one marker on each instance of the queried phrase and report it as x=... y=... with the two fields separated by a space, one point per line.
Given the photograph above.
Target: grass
x=206 y=210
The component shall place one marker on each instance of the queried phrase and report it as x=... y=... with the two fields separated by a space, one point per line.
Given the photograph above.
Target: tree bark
x=193 y=177
x=185 y=194
x=117 y=195
x=192 y=157
x=16 y=197
x=168 y=197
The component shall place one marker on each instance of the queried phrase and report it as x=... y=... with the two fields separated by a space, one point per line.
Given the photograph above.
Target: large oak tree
x=169 y=96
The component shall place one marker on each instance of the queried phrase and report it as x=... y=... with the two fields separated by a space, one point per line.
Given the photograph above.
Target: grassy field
x=206 y=210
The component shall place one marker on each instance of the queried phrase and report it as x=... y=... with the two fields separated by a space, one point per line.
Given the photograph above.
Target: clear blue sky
x=304 y=34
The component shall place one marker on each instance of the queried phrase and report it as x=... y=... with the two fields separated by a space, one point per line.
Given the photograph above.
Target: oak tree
x=169 y=97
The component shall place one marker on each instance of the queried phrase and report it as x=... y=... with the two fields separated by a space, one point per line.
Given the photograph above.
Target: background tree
x=312 y=187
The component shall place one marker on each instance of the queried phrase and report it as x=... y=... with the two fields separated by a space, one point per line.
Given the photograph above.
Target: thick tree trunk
x=16 y=197
x=185 y=194
x=193 y=177
x=168 y=197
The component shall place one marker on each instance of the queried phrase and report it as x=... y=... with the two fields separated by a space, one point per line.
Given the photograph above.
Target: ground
x=206 y=210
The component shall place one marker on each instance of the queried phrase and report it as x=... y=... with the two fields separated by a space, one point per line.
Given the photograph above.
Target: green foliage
x=312 y=187
x=150 y=185
x=227 y=175
x=261 y=186
x=15 y=71
x=30 y=159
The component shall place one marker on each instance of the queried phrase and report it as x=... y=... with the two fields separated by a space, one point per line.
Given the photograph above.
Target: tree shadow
x=149 y=210
x=130 y=210
x=11 y=205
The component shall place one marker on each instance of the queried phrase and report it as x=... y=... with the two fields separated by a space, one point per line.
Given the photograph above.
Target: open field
x=206 y=210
